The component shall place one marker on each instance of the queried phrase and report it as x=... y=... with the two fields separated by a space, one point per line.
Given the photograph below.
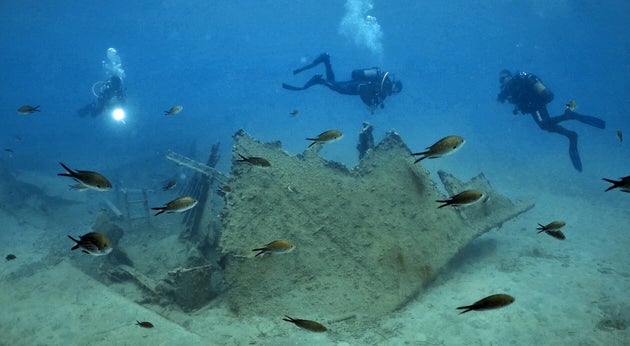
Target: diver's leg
x=572 y=136
x=317 y=79
x=586 y=119
x=322 y=58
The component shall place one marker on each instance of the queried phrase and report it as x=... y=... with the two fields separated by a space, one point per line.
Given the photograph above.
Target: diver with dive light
x=371 y=84
x=109 y=93
x=529 y=95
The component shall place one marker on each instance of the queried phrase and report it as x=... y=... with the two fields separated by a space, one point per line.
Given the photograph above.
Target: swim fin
x=575 y=158
x=593 y=121
x=587 y=119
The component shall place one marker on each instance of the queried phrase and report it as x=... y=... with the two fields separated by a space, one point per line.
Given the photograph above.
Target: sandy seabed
x=570 y=292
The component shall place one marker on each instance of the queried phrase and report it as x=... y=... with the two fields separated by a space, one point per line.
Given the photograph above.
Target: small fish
x=171 y=184
x=177 y=205
x=294 y=113
x=623 y=184
x=93 y=243
x=144 y=324
x=92 y=180
x=253 y=160
x=572 y=105
x=326 y=136
x=276 y=247
x=174 y=110
x=78 y=187
x=463 y=198
x=10 y=257
x=306 y=324
x=556 y=234
x=555 y=225
x=490 y=302
x=620 y=136
x=8 y=150
x=224 y=190
x=444 y=146
x=26 y=109
x=18 y=138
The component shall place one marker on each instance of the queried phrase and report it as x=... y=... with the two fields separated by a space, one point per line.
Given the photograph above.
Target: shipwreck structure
x=367 y=240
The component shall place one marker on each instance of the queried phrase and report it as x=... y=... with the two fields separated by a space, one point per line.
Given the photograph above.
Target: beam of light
x=119 y=115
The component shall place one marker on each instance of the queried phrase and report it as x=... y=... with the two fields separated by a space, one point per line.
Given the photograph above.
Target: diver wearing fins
x=529 y=95
x=371 y=84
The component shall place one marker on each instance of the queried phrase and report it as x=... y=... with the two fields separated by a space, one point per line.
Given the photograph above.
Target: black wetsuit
x=530 y=96
x=371 y=84
x=111 y=94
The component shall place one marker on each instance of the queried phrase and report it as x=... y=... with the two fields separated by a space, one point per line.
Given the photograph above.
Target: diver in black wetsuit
x=109 y=94
x=371 y=84
x=529 y=95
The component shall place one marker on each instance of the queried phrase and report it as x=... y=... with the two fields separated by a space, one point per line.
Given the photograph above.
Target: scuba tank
x=366 y=74
x=540 y=88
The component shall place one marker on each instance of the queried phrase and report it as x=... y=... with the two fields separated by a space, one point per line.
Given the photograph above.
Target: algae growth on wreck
x=367 y=240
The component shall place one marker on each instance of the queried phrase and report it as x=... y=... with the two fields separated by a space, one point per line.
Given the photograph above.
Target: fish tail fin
x=289 y=319
x=70 y=172
x=36 y=108
x=465 y=308
x=243 y=158
x=443 y=205
x=420 y=159
x=540 y=228
x=262 y=251
x=161 y=210
x=312 y=144
x=614 y=184
x=76 y=246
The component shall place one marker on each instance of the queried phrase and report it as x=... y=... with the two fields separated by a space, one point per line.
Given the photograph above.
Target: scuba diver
x=371 y=84
x=529 y=95
x=109 y=93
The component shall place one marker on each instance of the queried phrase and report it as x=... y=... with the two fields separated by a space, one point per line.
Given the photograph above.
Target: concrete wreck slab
x=367 y=240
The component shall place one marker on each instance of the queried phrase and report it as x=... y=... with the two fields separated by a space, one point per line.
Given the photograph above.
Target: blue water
x=224 y=61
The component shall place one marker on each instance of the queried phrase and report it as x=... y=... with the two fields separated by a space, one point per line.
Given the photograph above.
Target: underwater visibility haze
x=166 y=140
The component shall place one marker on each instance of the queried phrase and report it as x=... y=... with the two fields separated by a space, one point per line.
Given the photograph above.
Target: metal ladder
x=138 y=211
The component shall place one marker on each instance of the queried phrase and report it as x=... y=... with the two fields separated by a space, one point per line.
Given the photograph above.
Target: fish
x=255 y=161
x=275 y=247
x=177 y=205
x=26 y=109
x=463 y=198
x=623 y=184
x=551 y=226
x=306 y=324
x=144 y=324
x=10 y=257
x=444 y=146
x=326 y=136
x=92 y=180
x=93 y=243
x=294 y=113
x=620 y=136
x=572 y=105
x=171 y=184
x=8 y=150
x=490 y=302
x=556 y=233
x=174 y=110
